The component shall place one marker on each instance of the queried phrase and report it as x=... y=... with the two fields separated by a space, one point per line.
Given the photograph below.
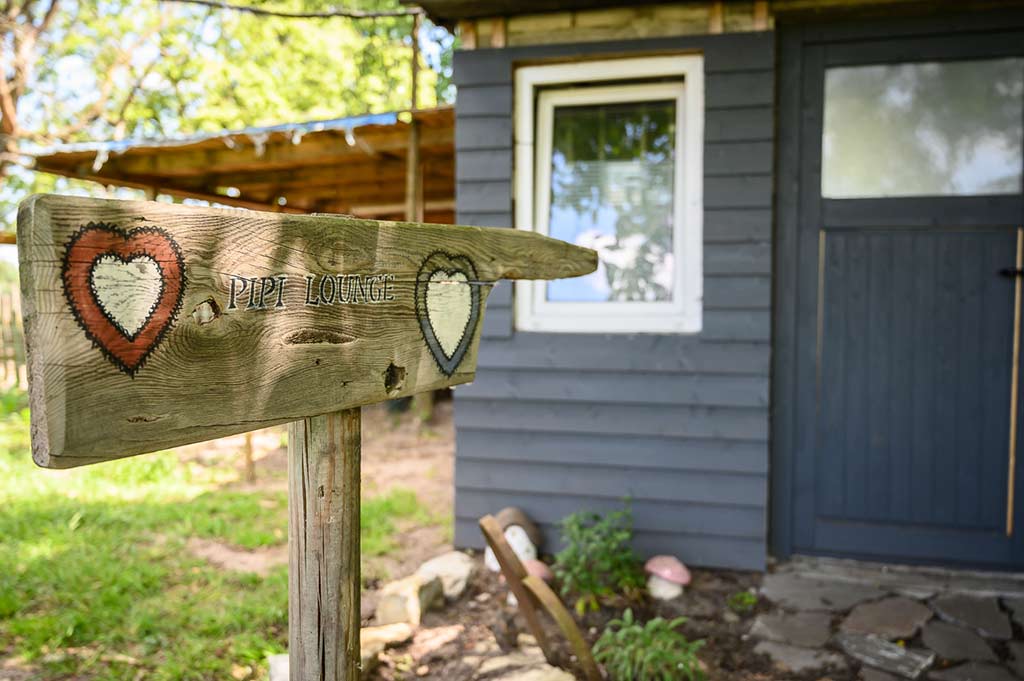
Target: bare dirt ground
x=398 y=452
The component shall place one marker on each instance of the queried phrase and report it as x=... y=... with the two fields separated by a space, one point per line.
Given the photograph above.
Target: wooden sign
x=151 y=325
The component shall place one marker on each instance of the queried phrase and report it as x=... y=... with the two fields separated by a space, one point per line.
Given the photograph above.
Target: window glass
x=612 y=189
x=923 y=129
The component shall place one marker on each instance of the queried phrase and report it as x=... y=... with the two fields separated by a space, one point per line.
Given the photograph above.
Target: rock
x=981 y=614
x=807 y=629
x=407 y=599
x=872 y=674
x=369 y=660
x=542 y=672
x=797 y=593
x=889 y=618
x=426 y=642
x=278 y=667
x=526 y=664
x=796 y=659
x=501 y=663
x=875 y=651
x=1016 y=660
x=974 y=671
x=386 y=635
x=954 y=643
x=1016 y=607
x=454 y=569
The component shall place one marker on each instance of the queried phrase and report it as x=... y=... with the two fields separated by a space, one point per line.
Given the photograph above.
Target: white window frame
x=537 y=94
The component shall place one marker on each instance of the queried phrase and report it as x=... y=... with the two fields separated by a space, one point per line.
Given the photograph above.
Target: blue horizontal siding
x=562 y=422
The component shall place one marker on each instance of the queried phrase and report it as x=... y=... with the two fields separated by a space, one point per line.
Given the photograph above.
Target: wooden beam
x=716 y=17
x=325 y=150
x=350 y=188
x=375 y=170
x=499 y=32
x=398 y=208
x=323 y=547
x=467 y=35
x=760 y=15
x=180 y=193
x=413 y=177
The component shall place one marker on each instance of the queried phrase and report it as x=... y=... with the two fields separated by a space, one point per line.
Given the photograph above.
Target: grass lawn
x=96 y=581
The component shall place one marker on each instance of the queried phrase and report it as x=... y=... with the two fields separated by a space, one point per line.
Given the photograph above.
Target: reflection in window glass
x=612 y=171
x=925 y=129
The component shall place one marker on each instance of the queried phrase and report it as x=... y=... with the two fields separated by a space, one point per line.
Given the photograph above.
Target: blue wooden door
x=897 y=327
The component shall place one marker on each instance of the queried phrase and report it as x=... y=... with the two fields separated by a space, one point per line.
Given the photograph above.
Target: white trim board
x=533 y=139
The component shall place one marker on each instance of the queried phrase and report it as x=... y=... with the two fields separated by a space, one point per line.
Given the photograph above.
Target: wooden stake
x=323 y=547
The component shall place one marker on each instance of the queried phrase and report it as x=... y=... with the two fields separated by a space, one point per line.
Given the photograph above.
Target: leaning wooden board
x=151 y=325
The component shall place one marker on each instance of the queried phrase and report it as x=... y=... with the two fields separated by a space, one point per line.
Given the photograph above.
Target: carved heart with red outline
x=126 y=335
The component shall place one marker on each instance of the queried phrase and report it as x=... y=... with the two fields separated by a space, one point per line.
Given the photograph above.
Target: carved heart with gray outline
x=448 y=307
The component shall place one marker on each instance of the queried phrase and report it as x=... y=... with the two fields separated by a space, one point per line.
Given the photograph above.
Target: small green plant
x=742 y=602
x=597 y=561
x=654 y=651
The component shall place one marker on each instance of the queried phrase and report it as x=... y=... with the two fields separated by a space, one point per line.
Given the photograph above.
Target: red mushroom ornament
x=666 y=577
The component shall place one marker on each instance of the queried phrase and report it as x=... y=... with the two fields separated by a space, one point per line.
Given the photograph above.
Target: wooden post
x=323 y=547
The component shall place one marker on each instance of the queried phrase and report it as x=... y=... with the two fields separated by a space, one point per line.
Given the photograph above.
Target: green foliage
x=597 y=561
x=654 y=651
x=742 y=602
x=96 y=559
x=127 y=69
x=12 y=401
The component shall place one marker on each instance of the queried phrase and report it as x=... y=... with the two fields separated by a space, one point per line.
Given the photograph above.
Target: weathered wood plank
x=590 y=450
x=323 y=547
x=648 y=516
x=612 y=482
x=151 y=325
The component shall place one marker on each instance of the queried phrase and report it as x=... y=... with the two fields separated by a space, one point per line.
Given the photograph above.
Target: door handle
x=1011 y=273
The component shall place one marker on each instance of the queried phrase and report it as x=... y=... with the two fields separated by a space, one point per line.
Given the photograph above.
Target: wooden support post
x=716 y=17
x=323 y=547
x=250 y=464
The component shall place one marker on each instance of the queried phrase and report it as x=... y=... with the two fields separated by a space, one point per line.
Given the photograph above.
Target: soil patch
x=257 y=561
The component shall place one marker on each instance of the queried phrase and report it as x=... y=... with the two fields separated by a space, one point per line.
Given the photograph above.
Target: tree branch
x=342 y=13
x=8 y=108
x=51 y=12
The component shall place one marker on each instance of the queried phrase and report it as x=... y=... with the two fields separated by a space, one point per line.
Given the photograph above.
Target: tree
x=75 y=70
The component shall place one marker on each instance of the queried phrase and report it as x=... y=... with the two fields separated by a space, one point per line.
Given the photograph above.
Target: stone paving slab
x=793 y=592
x=954 y=643
x=973 y=671
x=980 y=614
x=872 y=674
x=914 y=582
x=875 y=651
x=889 y=618
x=796 y=659
x=807 y=629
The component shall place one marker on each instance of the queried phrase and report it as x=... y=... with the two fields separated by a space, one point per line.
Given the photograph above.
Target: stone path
x=889 y=625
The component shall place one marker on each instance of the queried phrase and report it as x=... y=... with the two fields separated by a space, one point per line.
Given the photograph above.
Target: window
x=609 y=156
x=923 y=129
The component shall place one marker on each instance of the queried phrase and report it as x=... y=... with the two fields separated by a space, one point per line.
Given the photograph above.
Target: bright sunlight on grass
x=96 y=581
